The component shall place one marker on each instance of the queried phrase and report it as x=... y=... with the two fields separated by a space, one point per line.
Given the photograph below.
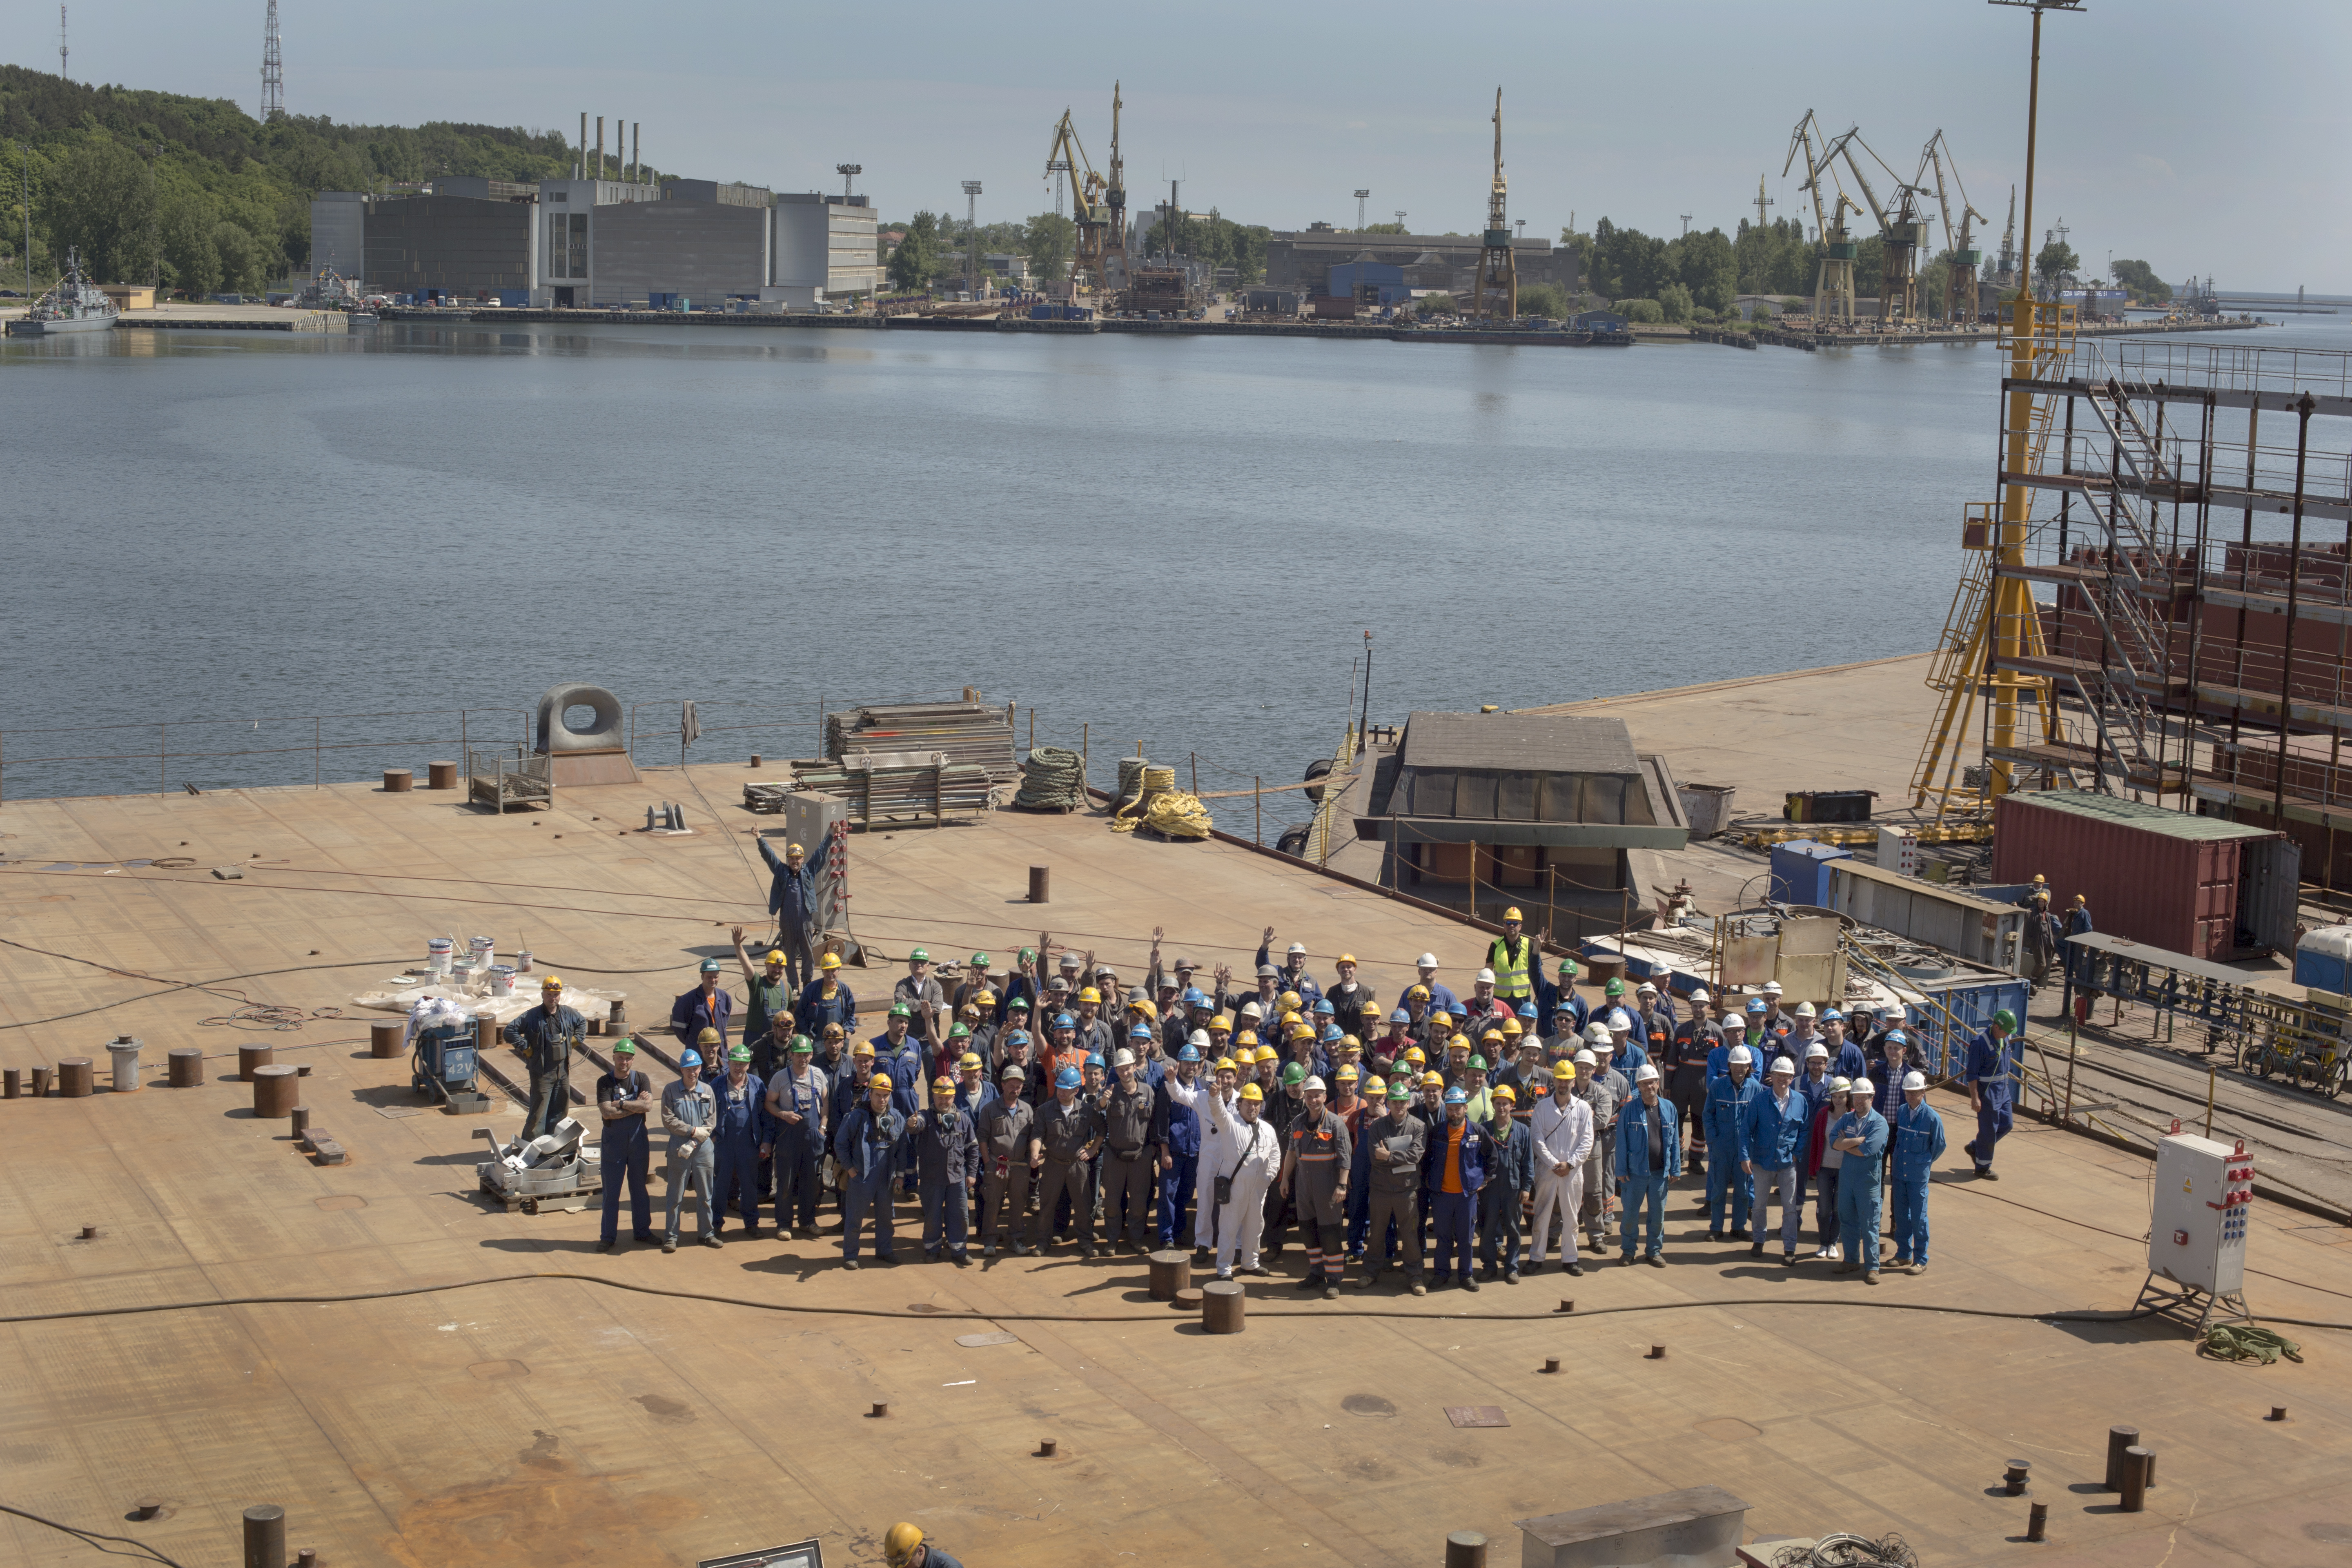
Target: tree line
x=196 y=195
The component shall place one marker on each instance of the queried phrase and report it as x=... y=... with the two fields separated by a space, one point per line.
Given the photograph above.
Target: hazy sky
x=2201 y=139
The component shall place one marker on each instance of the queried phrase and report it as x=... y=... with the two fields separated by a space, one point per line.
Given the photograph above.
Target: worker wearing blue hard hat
x=1176 y=1129
x=707 y=1007
x=691 y=1113
x=1455 y=1171
x=1068 y=1134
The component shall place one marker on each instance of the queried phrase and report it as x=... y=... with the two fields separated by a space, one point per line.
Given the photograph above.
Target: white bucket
x=439 y=953
x=126 y=1064
x=483 y=951
x=461 y=975
x=502 y=976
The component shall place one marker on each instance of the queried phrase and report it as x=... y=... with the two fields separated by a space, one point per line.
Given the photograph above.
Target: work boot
x=1655 y=1262
x=1469 y=1282
x=669 y=1244
x=712 y=1240
x=1576 y=1269
x=1312 y=1281
x=1087 y=1251
x=1330 y=1289
x=1870 y=1278
x=1511 y=1276
x=1369 y=1277
x=1755 y=1249
x=1022 y=1249
x=1740 y=1232
x=1989 y=1175
x=963 y=1261
x=604 y=1246
x=988 y=1250
x=850 y=1264
x=1715 y=1235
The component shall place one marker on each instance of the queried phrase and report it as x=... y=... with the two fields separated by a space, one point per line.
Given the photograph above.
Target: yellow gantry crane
x=1834 y=280
x=1496 y=297
x=1965 y=261
x=1086 y=191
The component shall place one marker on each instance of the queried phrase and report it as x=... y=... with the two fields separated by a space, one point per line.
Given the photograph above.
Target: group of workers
x=1020 y=1105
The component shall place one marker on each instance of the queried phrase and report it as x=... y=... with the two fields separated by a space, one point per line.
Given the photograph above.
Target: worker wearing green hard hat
x=1991 y=1074
x=796 y=1096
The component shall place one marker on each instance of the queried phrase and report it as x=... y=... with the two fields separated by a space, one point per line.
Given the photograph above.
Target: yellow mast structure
x=1497 y=295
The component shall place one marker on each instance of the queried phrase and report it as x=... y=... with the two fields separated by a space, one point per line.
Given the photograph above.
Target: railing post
x=1257 y=805
x=317 y=733
x=162 y=770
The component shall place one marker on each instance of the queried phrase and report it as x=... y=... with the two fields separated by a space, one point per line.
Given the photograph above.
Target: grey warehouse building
x=1303 y=259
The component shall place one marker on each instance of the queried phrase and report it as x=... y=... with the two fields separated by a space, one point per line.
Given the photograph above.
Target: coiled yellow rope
x=1162 y=807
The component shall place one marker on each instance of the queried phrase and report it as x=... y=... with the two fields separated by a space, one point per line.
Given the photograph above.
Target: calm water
x=1178 y=541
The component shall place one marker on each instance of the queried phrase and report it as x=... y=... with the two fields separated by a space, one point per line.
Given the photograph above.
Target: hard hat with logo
x=709 y=1038
x=1456 y=1096
x=1598 y=1034
x=1505 y=1094
x=1293 y=1073
x=1067 y=1079
x=862 y=1048
x=1512 y=914
x=1485 y=977
x=899 y=1545
x=1124 y=1058
x=830 y=961
x=1614 y=988
x=775 y=955
x=709 y=966
x=968 y=1062
x=691 y=1059
x=942 y=1085
x=1347 y=1073
x=1645 y=1073
x=1740 y=1056
x=1251 y=1091
x=1564 y=1072
x=1914 y=1079
x=739 y=1054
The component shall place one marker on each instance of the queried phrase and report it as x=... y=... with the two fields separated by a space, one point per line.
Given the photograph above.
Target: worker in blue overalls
x=1176 y=1128
x=1453 y=1171
x=625 y=1097
x=1918 y=1134
x=796 y=1106
x=736 y=1139
x=1992 y=1078
x=1860 y=1138
x=867 y=1145
x=792 y=898
x=1728 y=1100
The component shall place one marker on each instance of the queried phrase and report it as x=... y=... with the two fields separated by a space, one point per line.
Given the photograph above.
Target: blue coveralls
x=792 y=898
x=1510 y=1159
x=1919 y=1135
x=1726 y=1146
x=1775 y=1145
x=800 y=1149
x=1850 y=1062
x=627 y=1149
x=904 y=1067
x=693 y=1013
x=1360 y=1181
x=1858 y=1180
x=1177 y=1130
x=868 y=1148
x=815 y=1010
x=1456 y=1212
x=1646 y=1171
x=1992 y=1067
x=742 y=1126
x=947 y=1161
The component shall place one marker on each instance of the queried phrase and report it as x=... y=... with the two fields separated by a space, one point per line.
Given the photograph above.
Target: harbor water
x=1178 y=542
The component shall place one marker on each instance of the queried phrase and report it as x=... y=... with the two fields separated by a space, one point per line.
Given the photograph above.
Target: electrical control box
x=2197 y=1233
x=1898 y=851
x=819 y=823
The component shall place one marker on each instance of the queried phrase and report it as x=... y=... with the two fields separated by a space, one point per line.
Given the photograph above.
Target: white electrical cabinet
x=819 y=823
x=1898 y=851
x=2196 y=1235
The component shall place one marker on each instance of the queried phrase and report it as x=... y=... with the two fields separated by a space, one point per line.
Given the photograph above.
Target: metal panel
x=1474 y=796
x=2272 y=869
x=1946 y=918
x=2153 y=887
x=1515 y=796
x=1433 y=791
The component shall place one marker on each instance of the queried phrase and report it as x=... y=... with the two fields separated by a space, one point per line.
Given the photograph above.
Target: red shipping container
x=2169 y=878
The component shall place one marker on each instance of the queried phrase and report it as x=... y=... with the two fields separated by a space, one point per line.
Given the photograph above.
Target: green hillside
x=197 y=194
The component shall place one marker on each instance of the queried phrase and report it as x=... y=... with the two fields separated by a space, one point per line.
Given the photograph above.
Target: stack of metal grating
x=966 y=733
x=904 y=787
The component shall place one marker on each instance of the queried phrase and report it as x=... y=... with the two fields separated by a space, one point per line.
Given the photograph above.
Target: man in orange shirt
x=1456 y=1173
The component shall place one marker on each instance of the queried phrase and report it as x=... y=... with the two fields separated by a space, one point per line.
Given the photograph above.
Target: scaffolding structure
x=2172 y=613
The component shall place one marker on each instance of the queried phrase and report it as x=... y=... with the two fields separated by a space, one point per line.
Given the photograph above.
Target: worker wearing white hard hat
x=1441 y=997
x=1827 y=1159
x=1813 y=1081
x=1728 y=1185
x=1603 y=1092
x=1774 y=1133
x=1649 y=1155
x=1860 y=1136
x=1481 y=1000
x=1916 y=1135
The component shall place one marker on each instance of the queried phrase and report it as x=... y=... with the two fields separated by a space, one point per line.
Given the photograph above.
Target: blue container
x=1801 y=871
x=1968 y=1004
x=2323 y=960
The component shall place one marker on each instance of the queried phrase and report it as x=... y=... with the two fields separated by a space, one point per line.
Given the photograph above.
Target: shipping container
x=1956 y=1009
x=2188 y=884
x=1801 y=872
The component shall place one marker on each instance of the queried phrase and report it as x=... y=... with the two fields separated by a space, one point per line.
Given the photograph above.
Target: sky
x=2180 y=135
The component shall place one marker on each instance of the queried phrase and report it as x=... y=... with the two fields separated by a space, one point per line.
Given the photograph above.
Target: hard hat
x=1804 y=1009
x=1897 y=1038
x=1598 y=1034
x=552 y=982
x=1740 y=1056
x=1758 y=1007
x=1432 y=1081
x=1831 y=1014
x=1506 y=1094
x=691 y=1059
x=1310 y=1082
x=1914 y=1079
x=1198 y=1039
x=1511 y=1027
x=970 y=1009
x=1350 y=1043
x=2005 y=1018
x=1063 y=1021
x=1513 y=914
x=1289 y=1001
x=1426 y=960
x=1347 y=1073
x=1267 y=972
x=943 y=1085
x=628 y=1047
x=1268 y=1054
x=1302 y=1032
x=1225 y=1064
x=709 y=966
x=1841 y=1085
x=1139 y=1032
x=793 y=849
x=1323 y=1006
x=1399 y=1091
x=1485 y=977
x=830 y=961
x=709 y=1038
x=1618 y=1020
x=959 y=1031
x=1400 y=1016
x=1783 y=1064
x=1089 y=995
x=1189 y=1053
x=1252 y=1010
x=984 y=998
x=1564 y=1072
x=1013 y=1070
x=831 y=1031
x=1645 y=1073
x=1817 y=1052
x=862 y=1048
x=1771 y=988
x=1331 y=1036
x=1493 y=1035
x=1699 y=994
x=1568 y=967
x=775 y=955
x=1069 y=961
x=1067 y=1079
x=1457 y=1096
x=1094 y=1058
x=1246 y=1037
x=1417 y=994
x=1458 y=1009
x=1889 y=1010
x=1527 y=1010
x=739 y=1054
x=1345 y=957
x=921 y=955
x=1298 y=949
x=1586 y=1060
x=1194 y=997
x=1221 y=1022
x=900 y=1543
x=1414 y=1054
x=1017 y=1037
x=1646 y=986
x=1476 y=1064
x=1614 y=988
x=900 y=1010
x=1252 y=1091
x=969 y=1060
x=980 y=960
x=1125 y=1058
x=1566 y=1005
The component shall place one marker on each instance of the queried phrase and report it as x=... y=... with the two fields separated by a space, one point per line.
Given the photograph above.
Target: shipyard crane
x=1497 y=294
x=1960 y=277
x=1115 y=207
x=1834 y=280
x=2004 y=271
x=1086 y=190
x=1899 y=230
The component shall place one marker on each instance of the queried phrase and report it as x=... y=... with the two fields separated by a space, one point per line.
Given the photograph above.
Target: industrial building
x=1303 y=259
x=581 y=243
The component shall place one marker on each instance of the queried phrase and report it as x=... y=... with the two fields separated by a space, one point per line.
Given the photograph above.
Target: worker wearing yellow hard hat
x=1510 y=1175
x=947 y=1161
x=905 y=1547
x=792 y=899
x=1562 y=1131
x=1512 y=957
x=546 y=1035
x=826 y=999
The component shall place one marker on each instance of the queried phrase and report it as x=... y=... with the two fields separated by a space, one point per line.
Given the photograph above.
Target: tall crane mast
x=1497 y=294
x=1964 y=260
x=1834 y=280
x=1899 y=230
x=1115 y=202
x=2004 y=271
x=1085 y=203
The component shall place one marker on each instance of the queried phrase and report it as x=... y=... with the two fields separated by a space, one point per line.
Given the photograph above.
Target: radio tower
x=273 y=73
x=61 y=44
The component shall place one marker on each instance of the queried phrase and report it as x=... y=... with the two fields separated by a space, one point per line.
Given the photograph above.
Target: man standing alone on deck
x=546 y=1035
x=1991 y=1075
x=792 y=898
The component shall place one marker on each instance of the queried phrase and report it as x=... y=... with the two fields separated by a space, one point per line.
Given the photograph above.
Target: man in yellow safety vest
x=1512 y=958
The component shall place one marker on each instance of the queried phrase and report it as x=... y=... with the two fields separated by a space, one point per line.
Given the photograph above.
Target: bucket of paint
x=502 y=979
x=461 y=976
x=439 y=953
x=483 y=951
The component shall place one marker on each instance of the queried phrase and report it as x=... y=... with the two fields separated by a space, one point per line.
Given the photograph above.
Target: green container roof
x=2140 y=815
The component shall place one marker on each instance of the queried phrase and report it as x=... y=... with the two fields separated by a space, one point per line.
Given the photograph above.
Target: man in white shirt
x=1562 y=1125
